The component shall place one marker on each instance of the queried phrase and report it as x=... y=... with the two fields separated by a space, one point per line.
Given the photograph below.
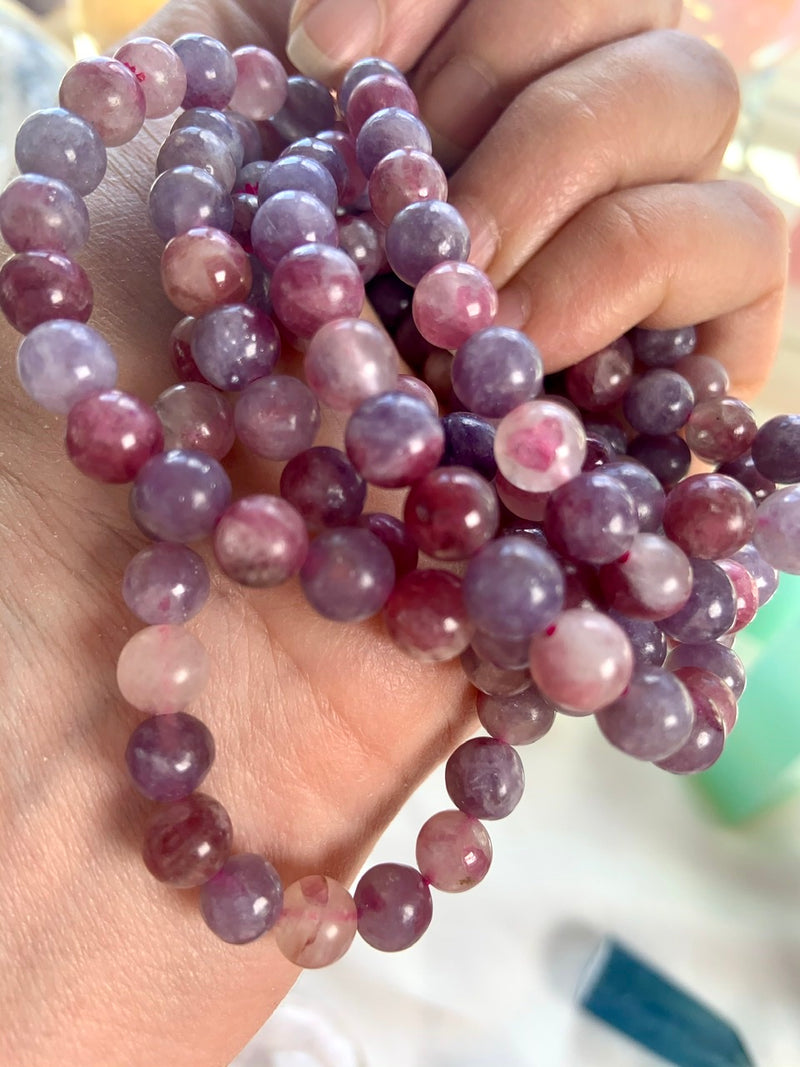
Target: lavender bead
x=325 y=154
x=667 y=456
x=309 y=107
x=243 y=900
x=714 y=657
x=108 y=95
x=179 y=496
x=394 y=906
x=260 y=541
x=454 y=851
x=644 y=487
x=424 y=234
x=36 y=287
x=591 y=518
x=375 y=93
x=776 y=449
x=165 y=583
x=662 y=348
x=519 y=718
x=392 y=439
x=490 y=679
x=648 y=642
x=43 y=214
x=58 y=144
x=249 y=135
x=302 y=174
x=777 y=532
x=360 y=71
x=216 y=122
x=185 y=197
x=168 y=756
x=765 y=575
x=484 y=778
x=356 y=184
x=652 y=719
x=747 y=474
x=61 y=361
x=348 y=574
x=324 y=487
x=210 y=71
x=363 y=242
x=469 y=442
x=277 y=417
x=658 y=402
x=234 y=345
x=158 y=70
x=315 y=284
x=349 y=360
x=710 y=610
x=385 y=132
x=705 y=743
x=404 y=177
x=261 y=83
x=288 y=220
x=192 y=146
x=495 y=370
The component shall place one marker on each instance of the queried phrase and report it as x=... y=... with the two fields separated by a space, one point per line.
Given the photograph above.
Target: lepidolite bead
x=720 y=429
x=210 y=70
x=165 y=583
x=451 y=513
x=158 y=71
x=318 y=922
x=765 y=575
x=651 y=581
x=385 y=132
x=203 y=269
x=261 y=541
x=349 y=360
x=746 y=590
x=393 y=439
x=277 y=417
x=452 y=302
x=196 y=146
x=315 y=284
x=179 y=496
x=324 y=486
x=58 y=144
x=426 y=616
x=395 y=536
x=288 y=220
x=168 y=756
x=423 y=235
x=454 y=851
x=60 y=362
x=260 y=83
x=347 y=575
x=394 y=906
x=161 y=669
x=487 y=677
x=484 y=778
x=36 y=287
x=709 y=515
x=707 y=685
x=188 y=841
x=662 y=348
x=495 y=370
x=405 y=177
x=591 y=518
x=652 y=719
x=43 y=214
x=539 y=446
x=235 y=345
x=243 y=899
x=183 y=198
x=309 y=107
x=600 y=380
x=518 y=719
x=111 y=435
x=776 y=449
x=197 y=417
x=710 y=610
x=711 y=656
x=106 y=93
x=705 y=743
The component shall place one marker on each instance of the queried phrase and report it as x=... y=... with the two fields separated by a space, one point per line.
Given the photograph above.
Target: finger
x=327 y=36
x=492 y=50
x=623 y=115
x=663 y=256
x=234 y=22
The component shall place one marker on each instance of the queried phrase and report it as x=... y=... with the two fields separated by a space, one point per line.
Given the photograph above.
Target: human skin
x=609 y=217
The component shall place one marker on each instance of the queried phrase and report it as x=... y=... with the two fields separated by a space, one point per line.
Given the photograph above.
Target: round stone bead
x=508 y=652
x=324 y=153
x=375 y=93
x=469 y=442
x=423 y=235
x=454 y=851
x=539 y=446
x=309 y=107
x=451 y=512
x=277 y=417
x=180 y=351
x=591 y=518
x=159 y=72
x=599 y=381
x=243 y=899
x=667 y=456
x=188 y=841
x=165 y=583
x=651 y=581
x=393 y=439
x=203 y=269
x=196 y=417
x=495 y=370
x=196 y=146
x=662 y=348
x=58 y=144
x=315 y=284
x=110 y=435
x=395 y=536
x=261 y=83
x=776 y=449
x=394 y=906
x=777 y=530
x=710 y=610
x=652 y=719
x=582 y=661
x=168 y=756
x=644 y=487
x=36 y=287
x=519 y=718
x=288 y=220
x=210 y=71
x=488 y=678
x=410 y=385
x=318 y=922
x=106 y=93
x=484 y=778
x=186 y=197
x=324 y=487
x=179 y=496
x=705 y=743
x=161 y=669
x=765 y=575
x=714 y=657
x=720 y=429
x=348 y=360
x=747 y=474
x=44 y=215
x=706 y=375
x=347 y=575
x=250 y=136
x=260 y=541
x=746 y=590
x=385 y=132
x=405 y=177
x=302 y=174
x=213 y=121
x=362 y=69
x=709 y=515
x=361 y=237
x=529 y=507
x=658 y=402
x=425 y=616
x=452 y=302
x=235 y=345
x=648 y=642
x=60 y=362
x=703 y=683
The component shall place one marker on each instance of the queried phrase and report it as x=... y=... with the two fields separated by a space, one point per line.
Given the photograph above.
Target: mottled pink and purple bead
x=111 y=435
x=394 y=906
x=454 y=851
x=162 y=669
x=243 y=899
x=168 y=756
x=166 y=583
x=107 y=94
x=318 y=922
x=261 y=541
x=187 y=841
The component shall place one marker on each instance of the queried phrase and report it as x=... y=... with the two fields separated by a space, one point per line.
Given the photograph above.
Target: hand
x=105 y=966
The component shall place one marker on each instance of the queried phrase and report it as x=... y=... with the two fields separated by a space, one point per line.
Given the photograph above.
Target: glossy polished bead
x=393 y=439
x=452 y=302
x=288 y=220
x=777 y=530
x=43 y=214
x=776 y=449
x=315 y=284
x=323 y=153
x=721 y=429
x=667 y=456
x=183 y=198
x=451 y=513
x=60 y=362
x=454 y=851
x=196 y=417
x=261 y=83
x=469 y=442
x=179 y=496
x=375 y=93
x=360 y=70
x=747 y=474
x=714 y=657
x=539 y=446
x=302 y=174
x=652 y=719
x=710 y=610
x=705 y=743
x=356 y=183
x=600 y=380
x=159 y=72
x=703 y=683
x=165 y=583
x=495 y=370
x=706 y=375
x=348 y=360
x=324 y=487
x=484 y=778
x=510 y=653
x=347 y=575
x=235 y=345
x=658 y=402
x=488 y=678
x=519 y=718
x=107 y=94
x=243 y=899
x=648 y=642
x=395 y=536
x=210 y=70
x=645 y=489
x=216 y=122
x=203 y=269
x=591 y=518
x=394 y=906
x=425 y=616
x=746 y=590
x=196 y=146
x=361 y=237
x=385 y=132
x=405 y=177
x=309 y=107
x=277 y=417
x=651 y=581
x=260 y=541
x=709 y=515
x=662 y=348
x=168 y=756
x=423 y=235
x=110 y=435
x=36 y=287
x=765 y=575
x=58 y=144
x=162 y=669
x=318 y=922
x=188 y=841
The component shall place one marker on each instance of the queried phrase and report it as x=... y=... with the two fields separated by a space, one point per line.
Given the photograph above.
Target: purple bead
x=469 y=442
x=315 y=284
x=393 y=439
x=662 y=348
x=658 y=402
x=210 y=71
x=765 y=575
x=308 y=108
x=260 y=83
x=243 y=900
x=648 y=642
x=705 y=743
x=394 y=534
x=714 y=657
x=159 y=72
x=776 y=449
x=111 y=434
x=747 y=474
x=43 y=214
x=168 y=756
x=260 y=541
x=249 y=135
x=512 y=588
x=709 y=515
x=710 y=610
x=454 y=851
x=165 y=583
x=61 y=361
x=519 y=718
x=777 y=531
x=193 y=146
x=245 y=206
x=197 y=417
x=326 y=155
x=451 y=512
x=300 y=174
x=424 y=234
x=375 y=93
x=216 y=122
x=495 y=370
x=405 y=177
x=394 y=906
x=348 y=574
x=179 y=496
x=362 y=240
x=356 y=184
x=490 y=679
x=652 y=719
x=666 y=456
x=107 y=94
x=600 y=380
x=61 y=145
x=385 y=132
x=185 y=197
x=277 y=417
x=187 y=841
x=180 y=351
x=37 y=287
x=288 y=220
x=425 y=616
x=591 y=518
x=706 y=375
x=484 y=778
x=360 y=71
x=324 y=487
x=235 y=345
x=644 y=487
x=721 y=429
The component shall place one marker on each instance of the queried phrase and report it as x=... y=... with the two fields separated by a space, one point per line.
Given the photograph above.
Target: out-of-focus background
x=702 y=879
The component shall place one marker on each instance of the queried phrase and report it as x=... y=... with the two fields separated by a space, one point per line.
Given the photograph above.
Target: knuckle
x=718 y=72
x=775 y=233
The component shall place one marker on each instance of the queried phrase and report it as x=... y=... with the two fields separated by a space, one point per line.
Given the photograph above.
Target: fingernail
x=483 y=233
x=513 y=307
x=459 y=105
x=334 y=34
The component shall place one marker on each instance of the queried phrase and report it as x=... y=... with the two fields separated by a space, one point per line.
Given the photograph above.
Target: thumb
x=328 y=36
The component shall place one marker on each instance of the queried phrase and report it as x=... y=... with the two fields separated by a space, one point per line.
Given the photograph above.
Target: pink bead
x=188 y=841
x=36 y=287
x=375 y=93
x=426 y=617
x=261 y=83
x=706 y=685
x=162 y=669
x=452 y=302
x=746 y=589
x=261 y=541
x=404 y=177
x=651 y=581
x=180 y=351
x=314 y=284
x=159 y=72
x=539 y=446
x=203 y=269
x=197 y=417
x=410 y=385
x=451 y=512
x=454 y=851
x=318 y=922
x=111 y=435
x=582 y=661
x=348 y=360
x=106 y=93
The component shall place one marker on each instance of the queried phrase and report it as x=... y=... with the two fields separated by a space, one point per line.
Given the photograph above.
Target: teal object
x=760 y=765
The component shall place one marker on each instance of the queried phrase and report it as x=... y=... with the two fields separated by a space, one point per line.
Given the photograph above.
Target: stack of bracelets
x=596 y=577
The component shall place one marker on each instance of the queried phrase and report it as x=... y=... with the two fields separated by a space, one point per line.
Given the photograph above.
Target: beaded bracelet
x=586 y=549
